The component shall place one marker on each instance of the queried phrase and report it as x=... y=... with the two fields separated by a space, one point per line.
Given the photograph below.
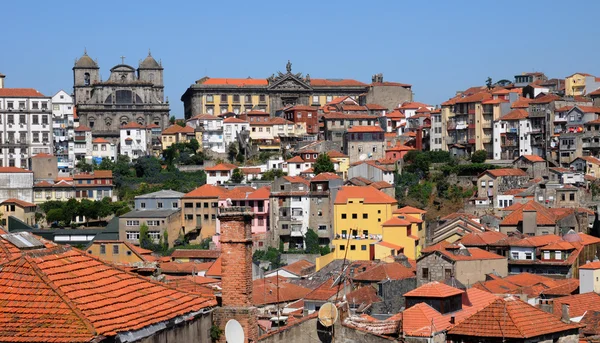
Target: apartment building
x=212 y=131
x=290 y=206
x=134 y=140
x=26 y=126
x=63 y=130
x=82 y=143
x=511 y=135
x=232 y=127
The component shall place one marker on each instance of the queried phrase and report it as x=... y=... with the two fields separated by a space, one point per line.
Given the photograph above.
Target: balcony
x=510 y=142
x=487 y=124
x=537 y=113
x=296 y=231
x=537 y=129
x=79 y=138
x=486 y=139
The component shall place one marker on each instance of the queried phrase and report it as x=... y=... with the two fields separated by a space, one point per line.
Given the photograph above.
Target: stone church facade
x=221 y=95
x=129 y=95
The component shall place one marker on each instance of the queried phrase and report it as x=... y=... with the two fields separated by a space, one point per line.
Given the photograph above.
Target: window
x=528 y=256
x=223 y=97
x=322 y=227
x=153 y=222
x=343 y=215
x=262 y=98
x=315 y=99
x=35 y=119
x=342 y=247
x=209 y=98
x=248 y=99
x=132 y=223
x=558 y=255
x=546 y=255
x=425 y=273
x=352 y=247
x=154 y=235
x=329 y=98
x=447 y=273
x=354 y=216
x=515 y=255
x=115 y=249
x=188 y=205
x=22 y=119
x=236 y=98
x=363 y=247
x=174 y=205
x=572 y=197
x=365 y=216
x=189 y=217
x=132 y=235
x=143 y=205
x=102 y=249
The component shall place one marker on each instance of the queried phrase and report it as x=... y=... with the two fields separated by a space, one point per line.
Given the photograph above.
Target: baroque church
x=127 y=96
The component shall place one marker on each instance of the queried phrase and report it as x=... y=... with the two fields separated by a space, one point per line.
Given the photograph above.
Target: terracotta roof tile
x=385 y=271
x=18 y=202
x=336 y=154
x=365 y=295
x=196 y=253
x=296 y=179
x=233 y=82
x=482 y=238
x=410 y=210
x=272 y=291
x=64 y=295
x=20 y=92
x=215 y=269
x=368 y=194
x=591 y=265
x=533 y=158
x=578 y=304
x=295 y=159
x=189 y=268
x=299 y=267
x=336 y=83
x=206 y=191
x=434 y=290
x=521 y=103
x=232 y=120
x=359 y=129
x=221 y=167
x=325 y=177
x=174 y=129
x=13 y=169
x=510 y=318
x=413 y=105
x=515 y=114
x=506 y=172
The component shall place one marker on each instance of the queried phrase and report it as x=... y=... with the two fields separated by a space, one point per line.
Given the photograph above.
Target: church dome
x=85 y=62
x=149 y=62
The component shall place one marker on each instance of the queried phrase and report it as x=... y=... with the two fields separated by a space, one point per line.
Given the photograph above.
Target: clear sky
x=437 y=46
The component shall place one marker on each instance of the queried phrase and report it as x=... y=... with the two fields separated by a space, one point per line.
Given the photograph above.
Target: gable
x=288 y=82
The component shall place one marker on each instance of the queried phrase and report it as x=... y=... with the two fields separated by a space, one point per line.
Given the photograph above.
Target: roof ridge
x=510 y=316
x=60 y=294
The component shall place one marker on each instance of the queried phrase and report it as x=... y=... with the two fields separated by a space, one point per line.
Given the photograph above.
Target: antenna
x=328 y=314
x=234 y=333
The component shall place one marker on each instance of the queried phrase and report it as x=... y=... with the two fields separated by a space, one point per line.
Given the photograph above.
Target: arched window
x=157 y=121
x=86 y=79
x=151 y=76
x=140 y=120
x=91 y=122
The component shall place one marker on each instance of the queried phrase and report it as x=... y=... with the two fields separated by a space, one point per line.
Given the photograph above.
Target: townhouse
x=63 y=111
x=212 y=131
x=289 y=203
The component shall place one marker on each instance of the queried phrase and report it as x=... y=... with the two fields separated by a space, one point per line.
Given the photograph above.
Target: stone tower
x=85 y=73
x=236 y=264
x=151 y=71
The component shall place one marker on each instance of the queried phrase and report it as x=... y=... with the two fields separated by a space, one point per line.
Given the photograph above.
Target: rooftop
x=369 y=195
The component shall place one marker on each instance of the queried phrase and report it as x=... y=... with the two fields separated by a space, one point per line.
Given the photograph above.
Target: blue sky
x=437 y=46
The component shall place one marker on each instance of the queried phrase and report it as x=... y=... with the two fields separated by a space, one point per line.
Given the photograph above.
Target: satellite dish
x=362 y=157
x=234 y=333
x=328 y=314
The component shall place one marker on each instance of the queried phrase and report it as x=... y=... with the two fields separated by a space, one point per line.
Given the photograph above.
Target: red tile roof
x=233 y=82
x=325 y=177
x=510 y=318
x=132 y=125
x=100 y=141
x=521 y=103
x=196 y=253
x=368 y=194
x=545 y=99
x=578 y=304
x=20 y=92
x=472 y=254
x=206 y=191
x=174 y=129
x=434 y=290
x=543 y=215
x=410 y=210
x=396 y=221
x=189 y=268
x=215 y=269
x=42 y=155
x=221 y=167
x=477 y=97
x=296 y=179
x=232 y=120
x=18 y=202
x=413 y=105
x=515 y=114
x=336 y=154
x=533 y=158
x=14 y=169
x=591 y=265
x=61 y=294
x=385 y=271
x=272 y=291
x=94 y=175
x=295 y=159
x=506 y=172
x=299 y=267
x=335 y=83
x=365 y=295
x=358 y=129
x=482 y=238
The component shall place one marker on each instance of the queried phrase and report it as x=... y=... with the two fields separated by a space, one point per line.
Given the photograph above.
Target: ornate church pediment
x=289 y=81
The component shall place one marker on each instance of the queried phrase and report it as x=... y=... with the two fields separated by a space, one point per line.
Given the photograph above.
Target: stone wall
x=436 y=268
x=193 y=331
x=388 y=96
x=291 y=258
x=392 y=293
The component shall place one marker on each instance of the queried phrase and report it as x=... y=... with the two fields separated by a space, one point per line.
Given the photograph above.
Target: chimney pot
x=565 y=313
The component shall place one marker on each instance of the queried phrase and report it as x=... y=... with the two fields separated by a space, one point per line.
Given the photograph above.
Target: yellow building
x=341 y=163
x=576 y=83
x=22 y=210
x=178 y=134
x=359 y=213
x=405 y=228
x=119 y=252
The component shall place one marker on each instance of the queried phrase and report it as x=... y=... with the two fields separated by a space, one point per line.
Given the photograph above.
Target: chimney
x=452 y=320
x=236 y=265
x=565 y=314
x=529 y=221
x=2 y=76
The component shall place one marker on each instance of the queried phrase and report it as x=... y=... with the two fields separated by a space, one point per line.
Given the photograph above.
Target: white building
x=212 y=136
x=101 y=149
x=435 y=140
x=62 y=127
x=133 y=140
x=231 y=129
x=219 y=174
x=511 y=135
x=296 y=165
x=83 y=144
x=16 y=183
x=25 y=126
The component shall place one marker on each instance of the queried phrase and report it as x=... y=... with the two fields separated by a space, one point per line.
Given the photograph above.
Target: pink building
x=258 y=201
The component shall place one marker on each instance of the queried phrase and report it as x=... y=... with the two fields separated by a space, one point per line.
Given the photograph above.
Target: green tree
x=479 y=156
x=237 y=176
x=232 y=151
x=272 y=174
x=88 y=209
x=193 y=145
x=311 y=240
x=147 y=167
x=323 y=165
x=84 y=166
x=106 y=164
x=205 y=243
x=71 y=209
x=172 y=120
x=145 y=241
x=488 y=82
x=55 y=215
